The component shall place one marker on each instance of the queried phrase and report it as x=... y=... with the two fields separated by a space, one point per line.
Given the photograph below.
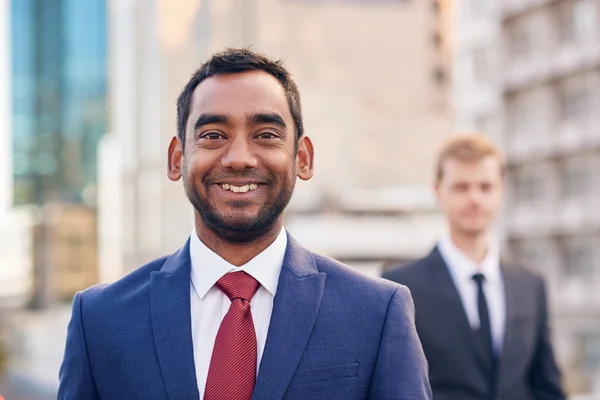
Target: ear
x=305 y=167
x=175 y=159
x=436 y=190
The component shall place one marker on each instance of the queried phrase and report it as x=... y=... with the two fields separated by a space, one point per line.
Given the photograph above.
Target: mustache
x=250 y=175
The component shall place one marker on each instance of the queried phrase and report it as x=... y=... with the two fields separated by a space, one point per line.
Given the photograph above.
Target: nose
x=239 y=155
x=475 y=196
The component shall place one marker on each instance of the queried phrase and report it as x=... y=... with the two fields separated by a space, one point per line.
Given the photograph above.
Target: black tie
x=484 y=333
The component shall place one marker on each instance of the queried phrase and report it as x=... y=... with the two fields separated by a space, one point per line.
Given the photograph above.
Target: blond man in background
x=483 y=323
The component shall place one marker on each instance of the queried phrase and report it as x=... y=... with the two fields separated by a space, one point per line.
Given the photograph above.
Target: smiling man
x=242 y=311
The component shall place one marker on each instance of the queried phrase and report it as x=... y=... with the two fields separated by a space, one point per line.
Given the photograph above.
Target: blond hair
x=466 y=147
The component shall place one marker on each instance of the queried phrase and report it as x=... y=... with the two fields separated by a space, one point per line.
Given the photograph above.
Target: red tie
x=232 y=371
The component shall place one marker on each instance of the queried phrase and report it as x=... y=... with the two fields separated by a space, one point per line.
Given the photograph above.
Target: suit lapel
x=444 y=286
x=295 y=308
x=171 y=325
x=511 y=291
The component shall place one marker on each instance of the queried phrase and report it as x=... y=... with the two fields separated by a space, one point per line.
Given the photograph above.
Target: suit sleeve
x=401 y=370
x=544 y=375
x=75 y=376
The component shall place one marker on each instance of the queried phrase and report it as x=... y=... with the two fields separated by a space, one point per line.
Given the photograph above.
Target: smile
x=239 y=189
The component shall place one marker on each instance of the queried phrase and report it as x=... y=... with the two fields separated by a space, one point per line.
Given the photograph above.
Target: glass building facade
x=59 y=107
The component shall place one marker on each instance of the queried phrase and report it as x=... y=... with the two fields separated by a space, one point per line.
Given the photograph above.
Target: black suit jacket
x=527 y=370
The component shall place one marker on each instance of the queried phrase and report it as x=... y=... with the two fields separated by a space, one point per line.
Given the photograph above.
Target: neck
x=474 y=246
x=236 y=253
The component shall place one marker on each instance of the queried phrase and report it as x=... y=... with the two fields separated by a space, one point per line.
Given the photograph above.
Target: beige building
x=551 y=90
x=528 y=73
x=374 y=80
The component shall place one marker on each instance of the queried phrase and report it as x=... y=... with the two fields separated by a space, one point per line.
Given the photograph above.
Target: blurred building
x=528 y=72
x=15 y=271
x=551 y=91
x=52 y=114
x=476 y=94
x=58 y=70
x=5 y=112
x=375 y=104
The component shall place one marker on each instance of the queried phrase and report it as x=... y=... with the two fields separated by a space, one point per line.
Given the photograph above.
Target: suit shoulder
x=129 y=285
x=405 y=273
x=526 y=274
x=344 y=275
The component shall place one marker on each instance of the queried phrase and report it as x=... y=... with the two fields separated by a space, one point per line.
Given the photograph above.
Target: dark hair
x=233 y=61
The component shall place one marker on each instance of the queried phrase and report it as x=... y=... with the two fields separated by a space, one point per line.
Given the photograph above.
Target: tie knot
x=479 y=278
x=238 y=285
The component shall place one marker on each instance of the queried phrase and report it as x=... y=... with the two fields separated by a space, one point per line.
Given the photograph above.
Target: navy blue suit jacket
x=334 y=334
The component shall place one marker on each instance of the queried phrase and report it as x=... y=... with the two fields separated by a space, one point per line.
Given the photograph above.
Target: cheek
x=492 y=200
x=495 y=205
x=453 y=206
x=459 y=202
x=197 y=168
x=281 y=166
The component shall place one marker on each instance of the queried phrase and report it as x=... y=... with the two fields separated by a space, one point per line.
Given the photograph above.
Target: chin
x=239 y=230
x=239 y=224
x=243 y=220
x=474 y=230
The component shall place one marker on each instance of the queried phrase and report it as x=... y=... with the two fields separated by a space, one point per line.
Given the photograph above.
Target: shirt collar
x=208 y=267
x=463 y=268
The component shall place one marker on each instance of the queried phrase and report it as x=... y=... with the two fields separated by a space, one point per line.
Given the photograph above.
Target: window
x=590 y=346
x=565 y=22
x=521 y=114
x=480 y=65
x=529 y=187
x=587 y=360
x=579 y=260
x=574 y=20
x=576 y=181
x=574 y=102
x=530 y=254
x=519 y=39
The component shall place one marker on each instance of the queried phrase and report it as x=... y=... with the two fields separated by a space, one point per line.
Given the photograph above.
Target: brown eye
x=460 y=187
x=212 y=136
x=267 y=135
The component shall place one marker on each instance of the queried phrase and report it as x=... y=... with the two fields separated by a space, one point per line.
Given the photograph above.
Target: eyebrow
x=254 y=119
x=267 y=118
x=205 y=119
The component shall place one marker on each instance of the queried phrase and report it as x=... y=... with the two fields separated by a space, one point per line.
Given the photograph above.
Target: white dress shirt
x=209 y=305
x=462 y=270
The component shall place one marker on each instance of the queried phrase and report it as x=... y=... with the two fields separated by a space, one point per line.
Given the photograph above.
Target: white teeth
x=239 y=189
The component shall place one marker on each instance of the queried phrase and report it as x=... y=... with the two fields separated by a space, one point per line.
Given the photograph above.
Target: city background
x=87 y=108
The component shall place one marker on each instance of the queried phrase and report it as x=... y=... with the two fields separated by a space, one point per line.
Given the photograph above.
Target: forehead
x=488 y=167
x=240 y=94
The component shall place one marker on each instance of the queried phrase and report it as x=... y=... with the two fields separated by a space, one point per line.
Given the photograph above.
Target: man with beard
x=483 y=322
x=242 y=310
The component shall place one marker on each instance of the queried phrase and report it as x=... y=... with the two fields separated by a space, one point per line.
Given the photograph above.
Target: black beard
x=260 y=226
